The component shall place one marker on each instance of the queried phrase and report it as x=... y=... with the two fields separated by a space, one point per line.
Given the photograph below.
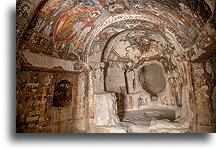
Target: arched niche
x=62 y=94
x=152 y=79
x=101 y=44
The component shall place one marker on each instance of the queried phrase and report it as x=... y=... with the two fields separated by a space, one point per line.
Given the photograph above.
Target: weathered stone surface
x=39 y=60
x=152 y=79
x=165 y=126
x=114 y=78
x=111 y=129
x=105 y=109
x=203 y=93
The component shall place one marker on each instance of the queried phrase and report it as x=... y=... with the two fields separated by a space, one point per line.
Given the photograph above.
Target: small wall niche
x=152 y=79
x=62 y=94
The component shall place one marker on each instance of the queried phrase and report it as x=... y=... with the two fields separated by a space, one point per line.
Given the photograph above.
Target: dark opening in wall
x=152 y=79
x=63 y=94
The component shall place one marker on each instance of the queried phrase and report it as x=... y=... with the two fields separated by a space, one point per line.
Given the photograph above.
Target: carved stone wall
x=204 y=85
x=37 y=110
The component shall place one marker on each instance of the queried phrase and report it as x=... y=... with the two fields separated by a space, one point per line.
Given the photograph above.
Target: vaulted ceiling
x=74 y=29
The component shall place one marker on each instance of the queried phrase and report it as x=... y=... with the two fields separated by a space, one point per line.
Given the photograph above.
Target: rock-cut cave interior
x=115 y=66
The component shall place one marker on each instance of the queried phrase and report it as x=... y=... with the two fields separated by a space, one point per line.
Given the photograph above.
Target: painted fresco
x=144 y=40
x=138 y=44
x=73 y=22
x=114 y=6
x=69 y=31
x=200 y=7
x=42 y=25
x=58 y=7
x=36 y=100
x=33 y=41
x=24 y=13
x=51 y=5
x=24 y=9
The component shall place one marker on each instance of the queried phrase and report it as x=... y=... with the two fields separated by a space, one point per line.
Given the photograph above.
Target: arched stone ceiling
x=69 y=29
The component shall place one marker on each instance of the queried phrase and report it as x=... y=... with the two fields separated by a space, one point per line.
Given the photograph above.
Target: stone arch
x=179 y=40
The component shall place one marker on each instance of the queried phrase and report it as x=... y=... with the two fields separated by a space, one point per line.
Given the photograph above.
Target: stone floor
x=146 y=116
x=139 y=121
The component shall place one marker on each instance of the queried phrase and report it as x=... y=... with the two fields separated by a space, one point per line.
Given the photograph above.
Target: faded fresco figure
x=23 y=12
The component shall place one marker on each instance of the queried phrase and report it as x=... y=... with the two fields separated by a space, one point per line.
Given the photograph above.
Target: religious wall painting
x=136 y=25
x=137 y=5
x=173 y=17
x=114 y=6
x=48 y=29
x=78 y=66
x=38 y=23
x=152 y=6
x=24 y=10
x=200 y=7
x=187 y=12
x=25 y=41
x=36 y=87
x=20 y=26
x=50 y=5
x=50 y=49
x=108 y=32
x=63 y=7
x=60 y=51
x=24 y=13
x=138 y=44
x=42 y=25
x=85 y=3
x=141 y=21
x=73 y=22
x=57 y=8
x=33 y=41
x=73 y=57
x=112 y=30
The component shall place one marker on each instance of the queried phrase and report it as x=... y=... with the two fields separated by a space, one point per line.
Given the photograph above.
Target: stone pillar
x=203 y=96
x=95 y=84
x=105 y=109
x=190 y=99
x=98 y=77
x=130 y=75
x=81 y=112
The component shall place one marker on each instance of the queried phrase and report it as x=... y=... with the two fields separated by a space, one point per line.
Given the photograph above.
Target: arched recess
x=99 y=37
x=62 y=94
x=152 y=79
x=126 y=52
x=172 y=56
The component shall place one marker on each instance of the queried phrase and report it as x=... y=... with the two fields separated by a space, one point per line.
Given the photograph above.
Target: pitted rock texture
x=152 y=79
